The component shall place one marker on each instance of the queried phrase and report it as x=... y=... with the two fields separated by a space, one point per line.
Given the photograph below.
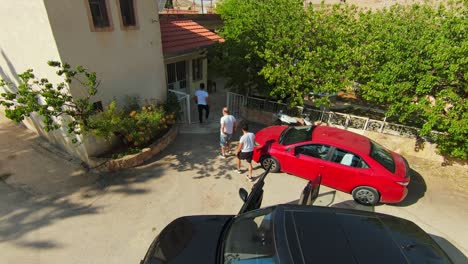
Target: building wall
x=27 y=42
x=127 y=62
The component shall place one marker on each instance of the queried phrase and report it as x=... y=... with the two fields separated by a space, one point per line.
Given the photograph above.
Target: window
x=127 y=14
x=99 y=16
x=99 y=13
x=382 y=156
x=176 y=75
x=97 y=106
x=348 y=159
x=197 y=69
x=315 y=150
x=294 y=135
x=250 y=238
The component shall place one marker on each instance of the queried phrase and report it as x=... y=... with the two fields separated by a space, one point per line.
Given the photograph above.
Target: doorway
x=177 y=76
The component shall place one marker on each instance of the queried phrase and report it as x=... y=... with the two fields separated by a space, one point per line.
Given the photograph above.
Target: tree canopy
x=411 y=59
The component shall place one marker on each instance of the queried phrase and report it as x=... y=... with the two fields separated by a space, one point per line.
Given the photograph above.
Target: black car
x=293 y=234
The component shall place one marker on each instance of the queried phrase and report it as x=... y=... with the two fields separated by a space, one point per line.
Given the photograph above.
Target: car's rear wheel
x=270 y=161
x=366 y=195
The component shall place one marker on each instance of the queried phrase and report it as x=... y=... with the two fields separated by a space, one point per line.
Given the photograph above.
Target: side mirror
x=253 y=201
x=294 y=152
x=311 y=191
x=243 y=194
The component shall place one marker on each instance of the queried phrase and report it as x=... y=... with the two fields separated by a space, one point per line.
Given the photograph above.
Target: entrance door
x=177 y=76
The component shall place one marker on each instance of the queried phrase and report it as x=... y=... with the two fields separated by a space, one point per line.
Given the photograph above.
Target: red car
x=347 y=161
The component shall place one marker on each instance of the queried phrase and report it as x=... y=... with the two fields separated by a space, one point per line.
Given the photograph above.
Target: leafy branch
x=52 y=102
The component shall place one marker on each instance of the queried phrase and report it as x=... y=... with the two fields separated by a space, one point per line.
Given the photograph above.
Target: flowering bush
x=136 y=128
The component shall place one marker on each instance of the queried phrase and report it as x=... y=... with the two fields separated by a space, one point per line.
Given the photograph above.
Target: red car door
x=346 y=170
x=306 y=161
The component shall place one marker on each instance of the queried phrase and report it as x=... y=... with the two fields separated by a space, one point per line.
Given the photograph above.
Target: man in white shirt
x=245 y=150
x=201 y=98
x=228 y=126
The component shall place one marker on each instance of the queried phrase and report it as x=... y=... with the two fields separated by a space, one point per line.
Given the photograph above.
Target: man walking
x=245 y=150
x=201 y=98
x=228 y=126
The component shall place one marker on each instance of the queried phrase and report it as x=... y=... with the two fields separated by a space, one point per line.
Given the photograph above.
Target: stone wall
x=256 y=116
x=133 y=160
x=406 y=146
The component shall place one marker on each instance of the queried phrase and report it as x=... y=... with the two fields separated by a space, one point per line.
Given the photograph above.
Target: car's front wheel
x=267 y=161
x=366 y=195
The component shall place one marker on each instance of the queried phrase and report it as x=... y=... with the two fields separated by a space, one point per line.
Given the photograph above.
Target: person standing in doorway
x=202 y=100
x=228 y=127
x=245 y=150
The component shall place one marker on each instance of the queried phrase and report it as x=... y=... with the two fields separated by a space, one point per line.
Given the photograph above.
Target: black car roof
x=317 y=234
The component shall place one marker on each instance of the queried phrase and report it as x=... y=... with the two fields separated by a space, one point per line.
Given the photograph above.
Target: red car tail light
x=403 y=183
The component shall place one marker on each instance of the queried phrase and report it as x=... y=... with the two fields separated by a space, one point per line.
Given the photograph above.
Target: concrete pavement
x=114 y=217
x=54 y=211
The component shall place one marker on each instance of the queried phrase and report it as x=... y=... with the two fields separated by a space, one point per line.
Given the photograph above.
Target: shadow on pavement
x=453 y=252
x=22 y=214
x=351 y=204
x=200 y=153
x=416 y=190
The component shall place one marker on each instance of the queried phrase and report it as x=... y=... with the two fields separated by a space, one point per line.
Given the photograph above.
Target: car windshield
x=294 y=135
x=382 y=156
x=250 y=239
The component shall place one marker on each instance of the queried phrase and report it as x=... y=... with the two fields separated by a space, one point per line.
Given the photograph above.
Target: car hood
x=271 y=134
x=190 y=239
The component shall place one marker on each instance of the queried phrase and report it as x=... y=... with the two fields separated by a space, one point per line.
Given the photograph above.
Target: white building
x=118 y=39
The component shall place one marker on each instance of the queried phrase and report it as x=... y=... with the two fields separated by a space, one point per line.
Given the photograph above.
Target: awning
x=183 y=36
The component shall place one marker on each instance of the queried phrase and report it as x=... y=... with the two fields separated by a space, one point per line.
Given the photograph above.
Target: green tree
x=413 y=59
x=52 y=102
x=284 y=50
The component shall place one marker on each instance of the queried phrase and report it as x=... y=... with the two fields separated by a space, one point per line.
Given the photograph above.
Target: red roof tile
x=185 y=35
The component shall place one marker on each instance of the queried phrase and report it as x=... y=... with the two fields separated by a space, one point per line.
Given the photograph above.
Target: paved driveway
x=112 y=218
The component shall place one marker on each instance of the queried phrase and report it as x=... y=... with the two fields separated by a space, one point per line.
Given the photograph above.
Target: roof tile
x=185 y=35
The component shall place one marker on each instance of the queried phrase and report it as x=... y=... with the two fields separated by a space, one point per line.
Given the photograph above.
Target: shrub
x=135 y=128
x=172 y=105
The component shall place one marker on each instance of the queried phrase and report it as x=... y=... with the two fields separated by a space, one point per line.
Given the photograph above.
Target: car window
x=294 y=135
x=382 y=156
x=250 y=239
x=348 y=159
x=313 y=150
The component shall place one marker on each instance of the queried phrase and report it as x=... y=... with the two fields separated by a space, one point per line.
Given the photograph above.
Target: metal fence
x=184 y=101
x=236 y=101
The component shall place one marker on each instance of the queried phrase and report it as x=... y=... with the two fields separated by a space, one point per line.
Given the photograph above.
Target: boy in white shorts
x=228 y=127
x=245 y=150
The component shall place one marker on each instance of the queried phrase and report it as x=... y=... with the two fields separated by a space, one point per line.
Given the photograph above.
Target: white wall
x=27 y=42
x=128 y=62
